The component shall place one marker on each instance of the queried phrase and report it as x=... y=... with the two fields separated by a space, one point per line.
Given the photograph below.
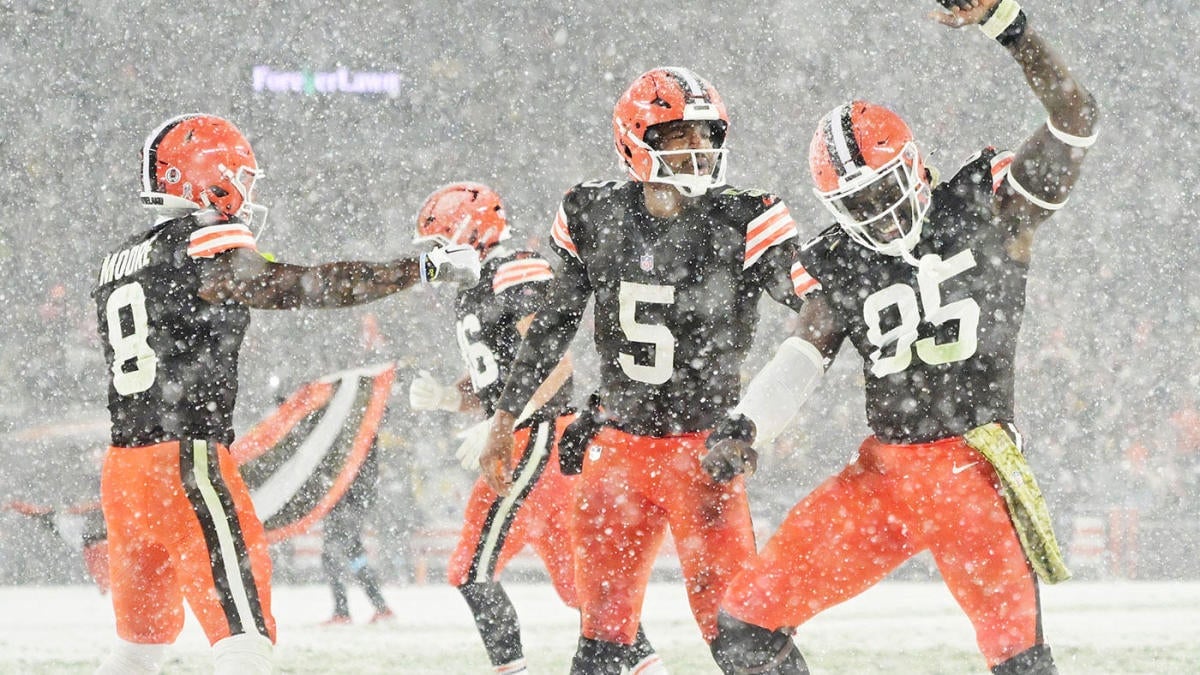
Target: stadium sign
x=340 y=81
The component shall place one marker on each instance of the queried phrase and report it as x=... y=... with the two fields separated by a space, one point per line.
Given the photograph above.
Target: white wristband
x=1068 y=139
x=776 y=392
x=1032 y=198
x=1006 y=13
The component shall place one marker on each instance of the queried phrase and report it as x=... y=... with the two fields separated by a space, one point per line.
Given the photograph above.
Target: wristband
x=1005 y=23
x=1070 y=139
x=428 y=269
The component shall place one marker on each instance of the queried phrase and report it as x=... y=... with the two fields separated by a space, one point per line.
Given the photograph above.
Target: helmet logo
x=187 y=191
x=172 y=175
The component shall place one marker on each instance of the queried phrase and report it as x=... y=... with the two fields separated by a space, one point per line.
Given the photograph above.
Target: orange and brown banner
x=302 y=457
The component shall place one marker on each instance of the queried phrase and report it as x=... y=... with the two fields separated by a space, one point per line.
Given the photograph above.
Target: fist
x=453 y=263
x=728 y=458
x=964 y=12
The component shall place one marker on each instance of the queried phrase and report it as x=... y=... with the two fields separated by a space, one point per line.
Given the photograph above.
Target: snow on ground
x=1094 y=627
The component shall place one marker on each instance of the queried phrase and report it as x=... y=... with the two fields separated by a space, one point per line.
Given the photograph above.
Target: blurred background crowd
x=519 y=95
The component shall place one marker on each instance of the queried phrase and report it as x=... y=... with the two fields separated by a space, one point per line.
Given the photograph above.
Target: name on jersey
x=123 y=263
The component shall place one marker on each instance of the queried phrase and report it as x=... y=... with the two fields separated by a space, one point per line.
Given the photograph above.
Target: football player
x=173 y=303
x=927 y=282
x=676 y=263
x=491 y=318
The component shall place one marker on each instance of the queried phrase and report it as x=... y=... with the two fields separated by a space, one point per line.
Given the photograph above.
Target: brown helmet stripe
x=843 y=148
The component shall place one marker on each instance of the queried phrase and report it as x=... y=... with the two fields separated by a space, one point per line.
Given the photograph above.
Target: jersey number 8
x=931 y=272
x=130 y=300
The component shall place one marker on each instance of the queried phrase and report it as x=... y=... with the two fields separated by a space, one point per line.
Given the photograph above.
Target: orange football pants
x=633 y=488
x=890 y=503
x=181 y=527
x=536 y=512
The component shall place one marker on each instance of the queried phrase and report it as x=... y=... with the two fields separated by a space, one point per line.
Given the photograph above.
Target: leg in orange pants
x=892 y=502
x=181 y=526
x=633 y=489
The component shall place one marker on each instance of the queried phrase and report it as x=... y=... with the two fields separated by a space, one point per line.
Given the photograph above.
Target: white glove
x=474 y=440
x=455 y=263
x=426 y=393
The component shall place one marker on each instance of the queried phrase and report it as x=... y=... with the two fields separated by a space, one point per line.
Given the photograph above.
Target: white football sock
x=245 y=654
x=130 y=658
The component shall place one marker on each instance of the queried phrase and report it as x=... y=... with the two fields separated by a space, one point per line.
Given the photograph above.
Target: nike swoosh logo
x=956 y=469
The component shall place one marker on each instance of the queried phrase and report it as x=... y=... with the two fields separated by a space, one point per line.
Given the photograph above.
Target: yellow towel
x=1026 y=506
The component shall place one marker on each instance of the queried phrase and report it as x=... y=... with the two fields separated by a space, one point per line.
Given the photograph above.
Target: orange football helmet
x=668 y=95
x=869 y=173
x=200 y=161
x=463 y=213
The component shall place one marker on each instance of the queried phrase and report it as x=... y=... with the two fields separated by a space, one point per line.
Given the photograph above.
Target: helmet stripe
x=840 y=142
x=690 y=83
x=150 y=151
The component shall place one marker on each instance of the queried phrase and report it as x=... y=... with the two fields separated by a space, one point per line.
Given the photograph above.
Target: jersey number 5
x=481 y=362
x=659 y=336
x=129 y=302
x=931 y=272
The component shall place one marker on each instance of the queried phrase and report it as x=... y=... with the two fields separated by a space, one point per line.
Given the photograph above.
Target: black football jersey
x=512 y=285
x=939 y=340
x=676 y=300
x=172 y=357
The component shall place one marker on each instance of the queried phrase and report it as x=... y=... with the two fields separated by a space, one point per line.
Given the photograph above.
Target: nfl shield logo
x=647 y=262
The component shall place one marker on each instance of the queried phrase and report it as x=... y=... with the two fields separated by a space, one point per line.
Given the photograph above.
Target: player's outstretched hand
x=474 y=440
x=961 y=13
x=426 y=393
x=496 y=459
x=453 y=263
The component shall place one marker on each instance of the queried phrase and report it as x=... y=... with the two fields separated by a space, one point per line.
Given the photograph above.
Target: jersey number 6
x=659 y=336
x=930 y=275
x=128 y=302
x=481 y=363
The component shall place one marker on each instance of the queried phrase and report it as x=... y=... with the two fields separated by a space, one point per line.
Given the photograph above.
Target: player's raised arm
x=1046 y=165
x=242 y=275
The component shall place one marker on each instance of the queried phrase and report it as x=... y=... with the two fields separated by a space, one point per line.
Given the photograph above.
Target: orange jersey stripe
x=770 y=228
x=802 y=281
x=519 y=272
x=209 y=241
x=1001 y=164
x=562 y=234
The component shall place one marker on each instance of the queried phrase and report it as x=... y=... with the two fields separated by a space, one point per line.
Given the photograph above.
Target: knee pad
x=244 y=654
x=741 y=648
x=1037 y=660
x=130 y=658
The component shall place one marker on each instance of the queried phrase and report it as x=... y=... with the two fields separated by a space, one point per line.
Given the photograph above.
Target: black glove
x=730 y=450
x=578 y=435
x=951 y=4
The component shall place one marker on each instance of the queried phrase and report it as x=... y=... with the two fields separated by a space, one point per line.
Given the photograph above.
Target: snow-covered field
x=1094 y=627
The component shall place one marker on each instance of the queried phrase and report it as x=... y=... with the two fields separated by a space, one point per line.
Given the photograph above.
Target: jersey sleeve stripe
x=779 y=228
x=520 y=272
x=802 y=281
x=212 y=247
x=1000 y=166
x=562 y=234
x=209 y=241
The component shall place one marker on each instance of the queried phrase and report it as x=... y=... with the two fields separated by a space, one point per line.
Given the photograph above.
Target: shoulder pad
x=768 y=222
x=208 y=240
x=522 y=268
